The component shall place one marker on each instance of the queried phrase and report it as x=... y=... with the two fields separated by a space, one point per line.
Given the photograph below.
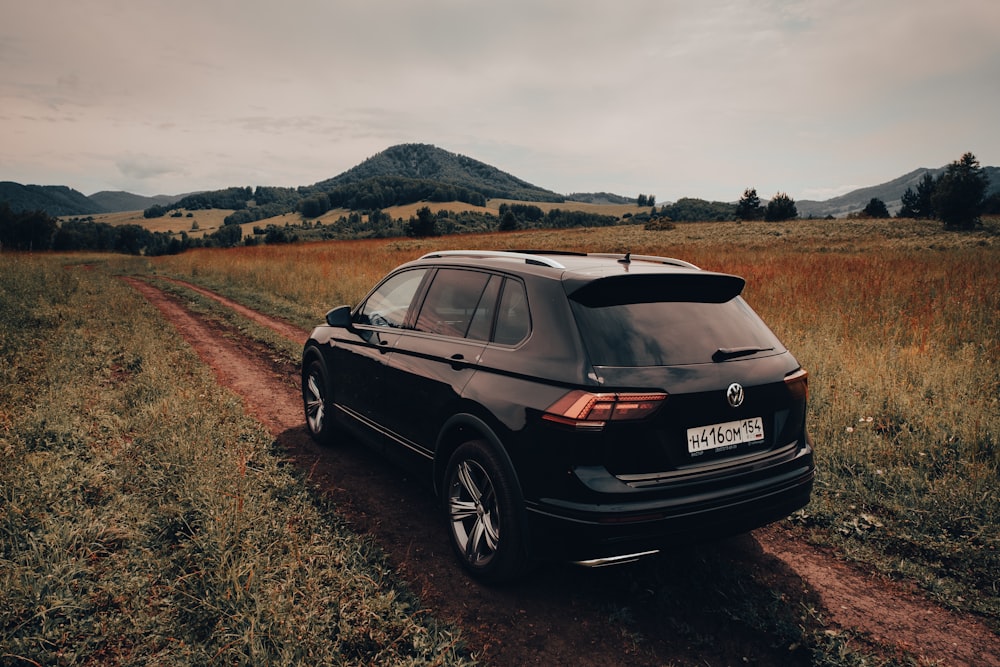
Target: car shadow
x=722 y=603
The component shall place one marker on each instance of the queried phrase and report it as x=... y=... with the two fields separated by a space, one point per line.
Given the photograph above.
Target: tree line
x=37 y=231
x=371 y=193
x=958 y=198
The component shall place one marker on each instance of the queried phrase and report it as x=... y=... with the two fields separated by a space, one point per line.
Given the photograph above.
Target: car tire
x=316 y=402
x=485 y=513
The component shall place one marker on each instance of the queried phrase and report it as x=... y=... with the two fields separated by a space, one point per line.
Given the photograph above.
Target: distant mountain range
x=424 y=163
x=59 y=200
x=890 y=193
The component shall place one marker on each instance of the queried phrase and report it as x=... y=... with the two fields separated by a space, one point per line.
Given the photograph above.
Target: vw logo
x=735 y=395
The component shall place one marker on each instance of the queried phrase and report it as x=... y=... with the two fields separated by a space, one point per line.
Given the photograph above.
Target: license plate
x=724 y=436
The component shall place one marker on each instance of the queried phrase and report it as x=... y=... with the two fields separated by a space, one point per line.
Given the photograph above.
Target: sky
x=670 y=98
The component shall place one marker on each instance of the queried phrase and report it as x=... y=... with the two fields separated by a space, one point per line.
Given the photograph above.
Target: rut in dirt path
x=549 y=621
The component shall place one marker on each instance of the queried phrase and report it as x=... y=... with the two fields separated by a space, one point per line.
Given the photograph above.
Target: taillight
x=585 y=410
x=798 y=384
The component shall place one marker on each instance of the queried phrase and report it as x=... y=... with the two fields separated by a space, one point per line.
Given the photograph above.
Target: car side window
x=387 y=306
x=452 y=302
x=482 y=320
x=513 y=318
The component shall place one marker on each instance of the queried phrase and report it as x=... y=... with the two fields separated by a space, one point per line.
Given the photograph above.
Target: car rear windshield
x=654 y=328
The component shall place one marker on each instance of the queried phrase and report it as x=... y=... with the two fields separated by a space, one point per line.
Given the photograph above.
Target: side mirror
x=339 y=317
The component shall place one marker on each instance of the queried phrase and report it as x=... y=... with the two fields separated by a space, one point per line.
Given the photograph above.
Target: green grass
x=144 y=518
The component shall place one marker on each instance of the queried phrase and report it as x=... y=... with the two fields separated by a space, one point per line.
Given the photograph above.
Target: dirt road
x=561 y=614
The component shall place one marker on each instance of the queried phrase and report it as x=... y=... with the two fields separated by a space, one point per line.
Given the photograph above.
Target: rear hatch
x=735 y=394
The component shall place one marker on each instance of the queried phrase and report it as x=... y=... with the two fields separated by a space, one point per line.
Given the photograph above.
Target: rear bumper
x=655 y=520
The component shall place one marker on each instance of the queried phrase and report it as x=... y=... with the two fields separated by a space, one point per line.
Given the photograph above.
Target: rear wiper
x=725 y=353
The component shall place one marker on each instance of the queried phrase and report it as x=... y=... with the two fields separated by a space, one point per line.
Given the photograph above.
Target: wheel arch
x=459 y=429
x=311 y=353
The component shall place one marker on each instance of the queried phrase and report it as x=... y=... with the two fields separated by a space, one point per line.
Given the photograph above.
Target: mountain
x=53 y=199
x=890 y=193
x=117 y=201
x=422 y=171
x=429 y=163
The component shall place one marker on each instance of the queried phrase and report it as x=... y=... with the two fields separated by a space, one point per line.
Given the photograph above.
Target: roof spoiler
x=618 y=290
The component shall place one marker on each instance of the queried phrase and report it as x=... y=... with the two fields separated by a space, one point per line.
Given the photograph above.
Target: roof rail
x=497 y=254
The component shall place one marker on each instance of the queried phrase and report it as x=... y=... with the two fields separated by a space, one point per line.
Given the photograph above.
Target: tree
x=876 y=208
x=425 y=224
x=27 y=230
x=919 y=203
x=960 y=193
x=781 y=207
x=508 y=221
x=748 y=207
x=227 y=236
x=690 y=209
x=155 y=211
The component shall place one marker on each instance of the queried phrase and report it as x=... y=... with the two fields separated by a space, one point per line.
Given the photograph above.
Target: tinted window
x=482 y=321
x=387 y=306
x=453 y=302
x=668 y=333
x=513 y=318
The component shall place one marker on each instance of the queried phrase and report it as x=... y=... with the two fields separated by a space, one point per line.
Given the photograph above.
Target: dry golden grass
x=897 y=321
x=208 y=221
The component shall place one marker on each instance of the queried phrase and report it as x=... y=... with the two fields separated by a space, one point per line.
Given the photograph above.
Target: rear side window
x=668 y=333
x=513 y=318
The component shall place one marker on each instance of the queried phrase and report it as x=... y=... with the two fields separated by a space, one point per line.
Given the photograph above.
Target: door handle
x=457 y=361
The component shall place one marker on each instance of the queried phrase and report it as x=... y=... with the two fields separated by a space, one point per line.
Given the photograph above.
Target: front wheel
x=485 y=514
x=316 y=401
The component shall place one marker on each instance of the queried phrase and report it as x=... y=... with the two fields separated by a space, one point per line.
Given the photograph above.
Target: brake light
x=798 y=384
x=586 y=410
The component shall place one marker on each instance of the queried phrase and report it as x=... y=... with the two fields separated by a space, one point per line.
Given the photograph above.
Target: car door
x=433 y=360
x=364 y=352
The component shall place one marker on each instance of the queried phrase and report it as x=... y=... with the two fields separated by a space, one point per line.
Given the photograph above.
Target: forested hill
x=424 y=162
x=53 y=199
x=126 y=201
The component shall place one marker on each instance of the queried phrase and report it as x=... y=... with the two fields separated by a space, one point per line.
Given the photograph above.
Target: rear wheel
x=485 y=513
x=316 y=401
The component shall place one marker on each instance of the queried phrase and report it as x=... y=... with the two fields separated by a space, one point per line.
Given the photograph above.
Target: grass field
x=115 y=545
x=146 y=519
x=197 y=225
x=897 y=321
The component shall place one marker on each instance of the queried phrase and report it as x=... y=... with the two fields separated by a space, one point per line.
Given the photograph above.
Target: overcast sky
x=674 y=98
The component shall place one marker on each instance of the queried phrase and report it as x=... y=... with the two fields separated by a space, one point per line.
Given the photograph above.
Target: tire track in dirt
x=888 y=611
x=551 y=620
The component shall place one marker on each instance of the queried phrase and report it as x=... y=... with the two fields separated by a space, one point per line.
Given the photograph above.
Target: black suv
x=585 y=407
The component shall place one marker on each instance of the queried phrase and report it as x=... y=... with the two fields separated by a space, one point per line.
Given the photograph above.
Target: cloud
x=144 y=168
x=663 y=96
